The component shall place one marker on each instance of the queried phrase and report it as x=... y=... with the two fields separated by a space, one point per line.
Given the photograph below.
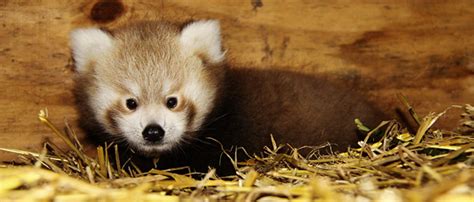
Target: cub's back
x=298 y=109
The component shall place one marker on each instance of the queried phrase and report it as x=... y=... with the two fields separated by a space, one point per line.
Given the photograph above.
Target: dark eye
x=171 y=102
x=131 y=103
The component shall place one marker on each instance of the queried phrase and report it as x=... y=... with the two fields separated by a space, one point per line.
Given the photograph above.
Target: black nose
x=153 y=133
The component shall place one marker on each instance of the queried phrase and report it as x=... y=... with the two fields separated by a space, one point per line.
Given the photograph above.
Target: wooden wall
x=423 y=49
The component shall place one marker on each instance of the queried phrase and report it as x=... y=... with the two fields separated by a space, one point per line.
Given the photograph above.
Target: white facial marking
x=103 y=100
x=202 y=97
x=132 y=126
x=133 y=88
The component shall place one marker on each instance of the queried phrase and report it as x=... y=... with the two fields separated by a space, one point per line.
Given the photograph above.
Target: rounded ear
x=203 y=39
x=87 y=44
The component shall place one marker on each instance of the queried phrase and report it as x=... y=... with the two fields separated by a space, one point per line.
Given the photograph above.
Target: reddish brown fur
x=250 y=105
x=297 y=109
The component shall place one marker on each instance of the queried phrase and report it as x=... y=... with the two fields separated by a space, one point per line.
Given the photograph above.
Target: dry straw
x=392 y=164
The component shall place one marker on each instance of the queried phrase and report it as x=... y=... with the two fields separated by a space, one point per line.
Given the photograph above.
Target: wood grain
x=423 y=49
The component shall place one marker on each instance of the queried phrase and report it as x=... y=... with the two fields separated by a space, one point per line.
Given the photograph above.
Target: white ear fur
x=203 y=38
x=88 y=44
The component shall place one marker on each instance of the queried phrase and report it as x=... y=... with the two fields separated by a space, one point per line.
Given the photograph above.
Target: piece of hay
x=390 y=165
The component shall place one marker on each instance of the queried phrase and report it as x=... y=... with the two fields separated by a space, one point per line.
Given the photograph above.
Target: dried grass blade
x=428 y=121
x=412 y=112
x=43 y=117
x=454 y=154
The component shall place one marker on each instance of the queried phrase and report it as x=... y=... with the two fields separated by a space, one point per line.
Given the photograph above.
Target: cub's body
x=163 y=91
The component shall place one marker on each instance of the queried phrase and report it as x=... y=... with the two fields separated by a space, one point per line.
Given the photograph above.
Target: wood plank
x=423 y=49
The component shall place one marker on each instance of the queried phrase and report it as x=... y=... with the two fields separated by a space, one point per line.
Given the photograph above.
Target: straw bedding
x=391 y=164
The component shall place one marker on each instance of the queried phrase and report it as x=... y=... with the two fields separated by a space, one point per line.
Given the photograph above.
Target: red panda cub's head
x=149 y=84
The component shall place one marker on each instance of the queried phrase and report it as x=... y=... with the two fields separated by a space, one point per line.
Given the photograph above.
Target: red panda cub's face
x=149 y=84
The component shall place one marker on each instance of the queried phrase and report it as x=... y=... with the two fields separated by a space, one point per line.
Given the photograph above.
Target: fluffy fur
x=152 y=61
x=203 y=38
x=148 y=62
x=89 y=44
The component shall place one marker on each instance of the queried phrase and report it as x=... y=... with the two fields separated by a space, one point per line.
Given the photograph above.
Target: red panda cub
x=162 y=90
